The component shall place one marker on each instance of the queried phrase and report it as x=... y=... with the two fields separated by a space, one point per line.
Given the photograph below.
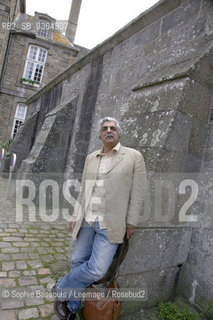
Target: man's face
x=109 y=133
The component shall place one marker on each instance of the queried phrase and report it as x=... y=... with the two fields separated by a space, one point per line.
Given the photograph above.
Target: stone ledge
x=169 y=73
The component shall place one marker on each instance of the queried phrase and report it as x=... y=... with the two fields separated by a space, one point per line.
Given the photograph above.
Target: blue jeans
x=91 y=258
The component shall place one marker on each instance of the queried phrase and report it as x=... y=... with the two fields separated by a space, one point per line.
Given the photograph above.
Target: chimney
x=73 y=20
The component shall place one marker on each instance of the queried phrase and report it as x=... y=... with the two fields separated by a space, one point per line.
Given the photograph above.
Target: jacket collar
x=115 y=149
x=117 y=157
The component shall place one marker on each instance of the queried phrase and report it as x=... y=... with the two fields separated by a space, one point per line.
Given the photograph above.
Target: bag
x=103 y=309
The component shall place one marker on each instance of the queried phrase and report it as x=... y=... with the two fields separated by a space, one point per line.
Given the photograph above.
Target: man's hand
x=130 y=229
x=70 y=225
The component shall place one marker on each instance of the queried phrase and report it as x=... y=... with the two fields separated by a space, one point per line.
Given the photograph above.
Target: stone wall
x=9 y=9
x=155 y=76
x=196 y=277
x=5 y=12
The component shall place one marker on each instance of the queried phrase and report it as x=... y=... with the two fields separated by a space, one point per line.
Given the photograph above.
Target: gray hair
x=107 y=119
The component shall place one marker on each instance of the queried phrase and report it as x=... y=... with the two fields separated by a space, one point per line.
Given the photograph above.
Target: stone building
x=155 y=76
x=33 y=51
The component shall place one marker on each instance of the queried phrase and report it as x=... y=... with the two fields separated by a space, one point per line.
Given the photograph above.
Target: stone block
x=161 y=160
x=180 y=131
x=145 y=35
x=14 y=274
x=46 y=310
x=7 y=315
x=7 y=283
x=197 y=138
x=21 y=244
x=12 y=304
x=3 y=274
x=47 y=258
x=197 y=277
x=159 y=285
x=35 y=264
x=45 y=280
x=29 y=273
x=28 y=281
x=160 y=97
x=195 y=95
x=30 y=313
x=44 y=271
x=150 y=130
x=12 y=239
x=190 y=163
x=20 y=256
x=26 y=250
x=179 y=16
x=34 y=301
x=10 y=250
x=4 y=245
x=6 y=266
x=34 y=256
x=152 y=249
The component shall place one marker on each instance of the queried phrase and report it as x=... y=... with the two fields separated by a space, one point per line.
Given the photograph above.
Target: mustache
x=109 y=135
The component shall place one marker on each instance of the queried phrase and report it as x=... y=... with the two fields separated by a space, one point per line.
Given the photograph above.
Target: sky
x=98 y=20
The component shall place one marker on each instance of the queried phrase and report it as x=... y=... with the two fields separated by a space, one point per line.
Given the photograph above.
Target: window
x=35 y=63
x=20 y=115
x=42 y=28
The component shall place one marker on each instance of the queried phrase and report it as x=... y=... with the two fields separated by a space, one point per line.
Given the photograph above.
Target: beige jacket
x=124 y=183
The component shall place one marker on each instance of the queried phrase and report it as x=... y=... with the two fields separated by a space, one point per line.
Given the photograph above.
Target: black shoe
x=71 y=316
x=61 y=310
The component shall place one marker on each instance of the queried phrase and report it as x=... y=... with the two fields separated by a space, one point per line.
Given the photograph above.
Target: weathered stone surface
x=28 y=281
x=34 y=301
x=46 y=310
x=177 y=17
x=20 y=256
x=158 y=248
x=29 y=273
x=5 y=245
x=7 y=315
x=14 y=274
x=35 y=264
x=31 y=313
x=7 y=283
x=44 y=271
x=12 y=304
x=3 y=274
x=160 y=283
x=196 y=277
x=20 y=265
x=6 y=266
x=194 y=96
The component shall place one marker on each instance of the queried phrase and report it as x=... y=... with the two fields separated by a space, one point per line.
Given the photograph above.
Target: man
x=109 y=203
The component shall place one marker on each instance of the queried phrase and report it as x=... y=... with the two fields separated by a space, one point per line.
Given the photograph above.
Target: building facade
x=34 y=50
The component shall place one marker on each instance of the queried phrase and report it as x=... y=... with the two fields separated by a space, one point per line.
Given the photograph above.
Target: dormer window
x=42 y=28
